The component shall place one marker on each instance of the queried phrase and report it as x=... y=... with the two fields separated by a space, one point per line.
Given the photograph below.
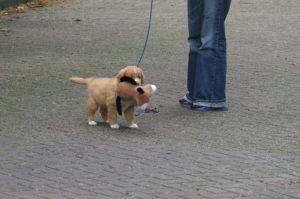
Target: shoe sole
x=205 y=108
x=185 y=103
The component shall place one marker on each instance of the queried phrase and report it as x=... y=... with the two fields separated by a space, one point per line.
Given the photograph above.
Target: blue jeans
x=207 y=63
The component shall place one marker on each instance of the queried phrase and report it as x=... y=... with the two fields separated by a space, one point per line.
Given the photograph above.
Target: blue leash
x=147 y=36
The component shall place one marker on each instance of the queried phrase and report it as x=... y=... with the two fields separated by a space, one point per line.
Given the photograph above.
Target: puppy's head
x=134 y=72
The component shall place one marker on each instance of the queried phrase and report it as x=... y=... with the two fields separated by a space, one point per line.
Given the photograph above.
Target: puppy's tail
x=79 y=80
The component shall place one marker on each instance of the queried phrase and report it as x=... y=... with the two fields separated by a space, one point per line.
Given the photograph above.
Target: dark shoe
x=185 y=102
x=206 y=108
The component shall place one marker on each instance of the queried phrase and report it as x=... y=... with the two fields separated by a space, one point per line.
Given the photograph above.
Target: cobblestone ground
x=47 y=150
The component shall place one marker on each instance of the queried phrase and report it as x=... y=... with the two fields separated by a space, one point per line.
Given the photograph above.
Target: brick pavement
x=119 y=170
x=48 y=151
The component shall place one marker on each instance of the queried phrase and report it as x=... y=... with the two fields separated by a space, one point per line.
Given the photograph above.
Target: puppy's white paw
x=114 y=126
x=133 y=126
x=92 y=123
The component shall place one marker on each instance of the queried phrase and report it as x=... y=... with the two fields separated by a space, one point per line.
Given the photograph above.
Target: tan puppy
x=101 y=93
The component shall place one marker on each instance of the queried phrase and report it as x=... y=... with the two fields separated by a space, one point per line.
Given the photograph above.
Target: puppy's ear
x=140 y=90
x=129 y=80
x=142 y=78
x=141 y=75
x=121 y=73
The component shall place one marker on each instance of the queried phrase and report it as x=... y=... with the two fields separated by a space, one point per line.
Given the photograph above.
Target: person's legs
x=195 y=8
x=207 y=57
x=227 y=7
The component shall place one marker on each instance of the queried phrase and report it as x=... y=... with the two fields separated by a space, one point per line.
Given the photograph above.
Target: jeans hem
x=211 y=104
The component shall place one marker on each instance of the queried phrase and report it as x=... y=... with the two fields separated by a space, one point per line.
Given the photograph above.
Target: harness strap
x=119 y=105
